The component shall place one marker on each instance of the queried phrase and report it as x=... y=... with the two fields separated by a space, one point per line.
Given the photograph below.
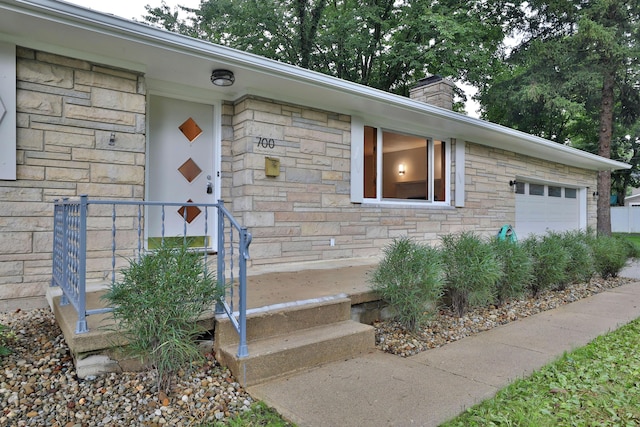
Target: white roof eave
x=185 y=61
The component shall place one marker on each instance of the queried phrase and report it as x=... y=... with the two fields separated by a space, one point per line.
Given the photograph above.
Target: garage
x=542 y=207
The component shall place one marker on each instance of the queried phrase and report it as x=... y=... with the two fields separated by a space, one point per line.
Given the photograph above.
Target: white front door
x=181 y=169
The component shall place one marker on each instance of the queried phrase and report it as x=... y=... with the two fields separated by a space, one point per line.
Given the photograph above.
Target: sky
x=134 y=9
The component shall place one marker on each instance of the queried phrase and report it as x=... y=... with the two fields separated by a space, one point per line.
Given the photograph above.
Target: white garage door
x=546 y=207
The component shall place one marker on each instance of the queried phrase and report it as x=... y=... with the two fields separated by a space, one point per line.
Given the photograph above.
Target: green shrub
x=6 y=336
x=157 y=304
x=580 y=266
x=549 y=258
x=471 y=271
x=409 y=279
x=610 y=255
x=517 y=269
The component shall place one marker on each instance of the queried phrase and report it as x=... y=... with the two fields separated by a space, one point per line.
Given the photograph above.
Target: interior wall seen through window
x=406 y=170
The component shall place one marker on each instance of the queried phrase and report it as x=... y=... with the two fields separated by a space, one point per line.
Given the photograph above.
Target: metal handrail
x=69 y=268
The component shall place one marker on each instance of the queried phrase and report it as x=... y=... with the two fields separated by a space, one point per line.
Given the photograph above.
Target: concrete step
x=102 y=332
x=101 y=335
x=281 y=355
x=280 y=319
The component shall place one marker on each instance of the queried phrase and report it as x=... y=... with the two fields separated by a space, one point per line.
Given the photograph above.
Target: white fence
x=625 y=219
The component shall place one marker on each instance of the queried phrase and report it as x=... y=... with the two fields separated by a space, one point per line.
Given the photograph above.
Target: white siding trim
x=582 y=194
x=7 y=111
x=460 y=174
x=357 y=164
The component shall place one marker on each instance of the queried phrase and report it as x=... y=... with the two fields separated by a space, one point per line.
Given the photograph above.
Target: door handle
x=209 y=188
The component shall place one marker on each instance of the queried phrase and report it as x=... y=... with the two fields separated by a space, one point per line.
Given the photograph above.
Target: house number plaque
x=266 y=142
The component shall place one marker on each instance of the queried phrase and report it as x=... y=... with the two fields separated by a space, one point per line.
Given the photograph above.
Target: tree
x=386 y=44
x=627 y=149
x=573 y=79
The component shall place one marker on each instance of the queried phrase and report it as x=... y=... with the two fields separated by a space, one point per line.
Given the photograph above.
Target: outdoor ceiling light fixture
x=222 y=77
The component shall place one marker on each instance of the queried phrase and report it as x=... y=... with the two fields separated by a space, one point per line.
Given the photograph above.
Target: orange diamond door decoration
x=192 y=212
x=190 y=129
x=190 y=170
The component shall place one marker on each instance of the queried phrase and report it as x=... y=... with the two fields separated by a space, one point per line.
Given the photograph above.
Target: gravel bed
x=446 y=327
x=39 y=386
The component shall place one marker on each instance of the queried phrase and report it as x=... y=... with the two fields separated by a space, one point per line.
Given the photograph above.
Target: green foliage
x=157 y=303
x=610 y=254
x=472 y=271
x=633 y=241
x=259 y=415
x=632 y=245
x=580 y=267
x=409 y=279
x=626 y=147
x=517 y=269
x=385 y=44
x=6 y=336
x=550 y=259
x=596 y=385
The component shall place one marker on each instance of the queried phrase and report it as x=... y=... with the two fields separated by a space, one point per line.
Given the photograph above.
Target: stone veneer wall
x=294 y=216
x=67 y=110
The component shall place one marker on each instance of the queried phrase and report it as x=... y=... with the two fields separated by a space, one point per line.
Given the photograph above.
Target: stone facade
x=81 y=130
x=67 y=111
x=294 y=217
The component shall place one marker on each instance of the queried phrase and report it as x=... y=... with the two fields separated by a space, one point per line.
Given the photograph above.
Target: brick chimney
x=434 y=90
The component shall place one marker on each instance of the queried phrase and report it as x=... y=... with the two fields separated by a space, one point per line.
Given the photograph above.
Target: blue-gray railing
x=124 y=217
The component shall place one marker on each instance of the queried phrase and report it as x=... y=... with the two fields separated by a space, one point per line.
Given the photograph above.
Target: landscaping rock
x=39 y=385
x=446 y=327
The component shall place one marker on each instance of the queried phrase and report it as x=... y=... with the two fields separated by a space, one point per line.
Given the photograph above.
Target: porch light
x=513 y=184
x=222 y=77
x=401 y=169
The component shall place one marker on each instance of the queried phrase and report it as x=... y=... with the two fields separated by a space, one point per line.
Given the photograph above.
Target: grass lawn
x=259 y=415
x=596 y=385
x=632 y=237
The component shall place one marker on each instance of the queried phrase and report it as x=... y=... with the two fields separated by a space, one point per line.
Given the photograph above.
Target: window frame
x=357 y=166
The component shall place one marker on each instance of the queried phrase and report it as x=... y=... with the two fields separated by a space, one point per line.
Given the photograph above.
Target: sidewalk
x=381 y=389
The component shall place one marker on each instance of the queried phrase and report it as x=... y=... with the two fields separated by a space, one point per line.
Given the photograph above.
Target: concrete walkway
x=381 y=389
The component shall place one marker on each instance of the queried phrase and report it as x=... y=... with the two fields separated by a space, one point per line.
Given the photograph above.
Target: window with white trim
x=401 y=167
x=570 y=193
x=557 y=191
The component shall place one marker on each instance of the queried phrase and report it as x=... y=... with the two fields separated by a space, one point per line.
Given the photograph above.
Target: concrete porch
x=313 y=314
